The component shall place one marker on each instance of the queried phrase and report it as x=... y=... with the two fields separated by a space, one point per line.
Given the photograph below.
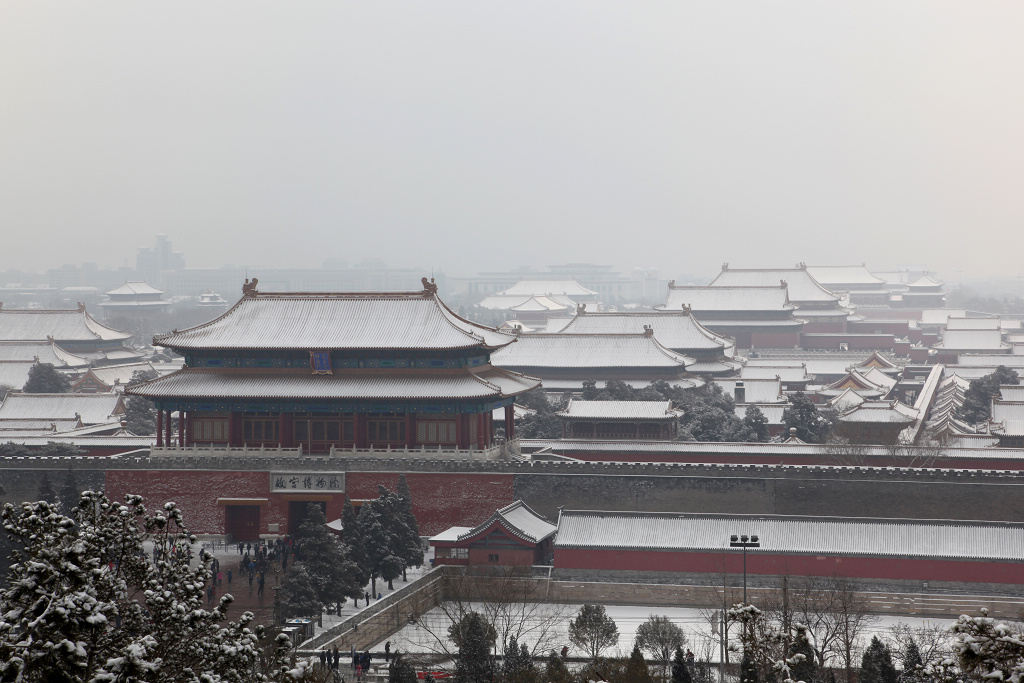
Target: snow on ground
x=423 y=636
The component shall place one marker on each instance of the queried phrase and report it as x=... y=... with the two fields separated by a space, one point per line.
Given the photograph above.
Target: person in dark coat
x=387 y=651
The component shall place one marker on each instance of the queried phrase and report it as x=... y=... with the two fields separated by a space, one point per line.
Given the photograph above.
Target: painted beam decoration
x=307 y=482
x=320 y=361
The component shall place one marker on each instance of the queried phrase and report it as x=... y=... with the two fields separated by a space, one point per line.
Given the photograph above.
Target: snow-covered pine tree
x=412 y=547
x=85 y=601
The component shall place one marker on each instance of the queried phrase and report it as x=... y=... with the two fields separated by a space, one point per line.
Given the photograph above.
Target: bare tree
x=836 y=618
x=510 y=599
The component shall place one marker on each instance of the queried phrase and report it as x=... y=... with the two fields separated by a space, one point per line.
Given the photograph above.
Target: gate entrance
x=242 y=522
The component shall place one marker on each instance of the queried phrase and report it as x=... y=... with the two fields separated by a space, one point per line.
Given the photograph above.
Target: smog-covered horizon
x=465 y=138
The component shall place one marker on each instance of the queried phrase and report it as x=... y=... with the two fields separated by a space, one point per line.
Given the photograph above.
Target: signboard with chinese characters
x=320 y=361
x=307 y=482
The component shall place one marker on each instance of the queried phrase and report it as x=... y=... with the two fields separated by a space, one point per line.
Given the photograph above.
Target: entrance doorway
x=298 y=510
x=242 y=522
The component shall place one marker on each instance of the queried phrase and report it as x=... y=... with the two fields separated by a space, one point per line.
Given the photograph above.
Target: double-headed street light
x=744 y=542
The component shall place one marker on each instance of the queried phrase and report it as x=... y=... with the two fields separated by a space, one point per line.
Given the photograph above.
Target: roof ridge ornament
x=429 y=286
x=671 y=284
x=249 y=287
x=648 y=331
x=687 y=309
x=81 y=307
x=581 y=309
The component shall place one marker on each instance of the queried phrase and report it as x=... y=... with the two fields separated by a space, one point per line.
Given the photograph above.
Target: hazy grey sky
x=468 y=136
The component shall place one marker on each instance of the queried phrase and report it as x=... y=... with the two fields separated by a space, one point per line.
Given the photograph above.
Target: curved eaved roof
x=673 y=329
x=406 y=320
x=802 y=287
x=60 y=325
x=517 y=519
x=717 y=298
x=588 y=351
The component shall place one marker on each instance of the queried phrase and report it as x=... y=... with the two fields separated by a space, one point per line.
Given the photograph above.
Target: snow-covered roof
x=674 y=330
x=839 y=276
x=957 y=323
x=939 y=316
x=1011 y=392
x=14 y=373
x=874 y=412
x=771 y=411
x=112 y=375
x=767 y=390
x=992 y=359
x=510 y=302
x=134 y=289
x=783 y=372
x=925 y=281
x=520 y=520
x=451 y=534
x=539 y=304
x=845 y=401
x=588 y=351
x=800 y=535
x=972 y=340
x=92 y=408
x=566 y=287
x=718 y=298
x=45 y=351
x=413 y=320
x=620 y=410
x=60 y=325
x=343 y=384
x=802 y=287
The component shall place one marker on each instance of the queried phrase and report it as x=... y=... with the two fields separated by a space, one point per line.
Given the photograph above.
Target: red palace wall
x=837 y=326
x=440 y=500
x=774 y=340
x=866 y=342
x=792 y=565
x=507 y=557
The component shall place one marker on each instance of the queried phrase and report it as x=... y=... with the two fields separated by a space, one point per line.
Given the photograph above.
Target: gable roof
x=92 y=408
x=874 y=412
x=786 y=373
x=972 y=340
x=673 y=329
x=588 y=351
x=718 y=298
x=755 y=390
x=60 y=325
x=537 y=304
x=114 y=375
x=964 y=323
x=518 y=519
x=802 y=287
x=390 y=320
x=133 y=289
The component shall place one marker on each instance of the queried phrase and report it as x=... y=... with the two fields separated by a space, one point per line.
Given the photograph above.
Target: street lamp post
x=744 y=542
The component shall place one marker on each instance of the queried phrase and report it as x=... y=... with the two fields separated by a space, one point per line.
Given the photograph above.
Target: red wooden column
x=159 y=428
x=361 y=440
x=481 y=430
x=167 y=428
x=181 y=429
x=410 y=431
x=232 y=440
x=510 y=422
x=282 y=430
x=461 y=432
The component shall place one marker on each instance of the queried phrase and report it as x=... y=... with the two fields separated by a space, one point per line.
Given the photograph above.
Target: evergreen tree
x=69 y=492
x=680 y=672
x=555 y=670
x=802 y=414
x=43 y=378
x=411 y=545
x=85 y=602
x=542 y=424
x=804 y=667
x=593 y=631
x=401 y=671
x=755 y=424
x=517 y=664
x=474 y=637
x=748 y=672
x=354 y=542
x=377 y=525
x=636 y=668
x=140 y=412
x=977 y=405
x=333 y=574
x=46 y=491
x=876 y=665
x=298 y=594
x=912 y=663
